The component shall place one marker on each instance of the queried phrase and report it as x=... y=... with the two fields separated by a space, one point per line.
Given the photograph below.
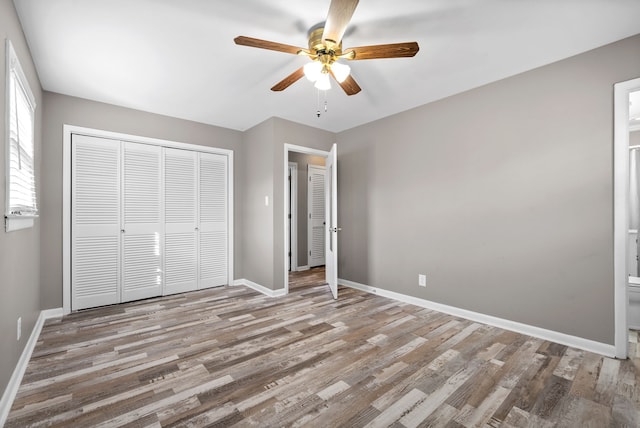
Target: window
x=21 y=206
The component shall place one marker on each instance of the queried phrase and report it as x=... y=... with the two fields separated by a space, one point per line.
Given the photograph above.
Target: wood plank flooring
x=233 y=357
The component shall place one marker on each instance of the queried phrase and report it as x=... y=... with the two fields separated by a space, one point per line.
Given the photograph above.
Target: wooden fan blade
x=340 y=13
x=289 y=80
x=265 y=44
x=394 y=50
x=349 y=85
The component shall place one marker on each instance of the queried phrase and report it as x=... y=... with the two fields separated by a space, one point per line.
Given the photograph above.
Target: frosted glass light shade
x=312 y=70
x=340 y=71
x=323 y=82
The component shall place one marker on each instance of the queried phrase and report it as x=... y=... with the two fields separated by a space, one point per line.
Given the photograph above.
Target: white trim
x=293 y=198
x=18 y=372
x=260 y=288
x=285 y=169
x=67 y=131
x=621 y=211
x=303 y=268
x=13 y=223
x=541 y=333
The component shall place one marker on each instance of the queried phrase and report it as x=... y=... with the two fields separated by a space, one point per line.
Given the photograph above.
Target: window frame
x=15 y=221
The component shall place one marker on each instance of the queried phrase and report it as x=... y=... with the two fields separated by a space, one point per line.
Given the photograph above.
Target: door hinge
x=289 y=215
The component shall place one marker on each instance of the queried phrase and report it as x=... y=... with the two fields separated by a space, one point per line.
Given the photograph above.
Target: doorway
x=301 y=199
x=626 y=122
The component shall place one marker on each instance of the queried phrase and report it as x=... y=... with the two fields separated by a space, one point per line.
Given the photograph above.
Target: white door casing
x=332 y=229
x=316 y=215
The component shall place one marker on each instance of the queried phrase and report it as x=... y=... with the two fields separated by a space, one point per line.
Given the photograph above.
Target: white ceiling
x=178 y=58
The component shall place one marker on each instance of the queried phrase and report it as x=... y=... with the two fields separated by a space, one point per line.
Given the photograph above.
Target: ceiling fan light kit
x=325 y=49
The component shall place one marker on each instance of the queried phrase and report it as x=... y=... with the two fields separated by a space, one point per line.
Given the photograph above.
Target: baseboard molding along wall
x=541 y=333
x=16 y=378
x=302 y=268
x=260 y=288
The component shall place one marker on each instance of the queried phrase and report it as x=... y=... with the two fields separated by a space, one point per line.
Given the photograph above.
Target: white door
x=181 y=227
x=212 y=224
x=316 y=217
x=95 y=222
x=332 y=221
x=141 y=221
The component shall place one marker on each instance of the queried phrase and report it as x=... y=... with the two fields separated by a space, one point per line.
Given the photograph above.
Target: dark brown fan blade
x=289 y=80
x=265 y=44
x=394 y=50
x=340 y=13
x=349 y=86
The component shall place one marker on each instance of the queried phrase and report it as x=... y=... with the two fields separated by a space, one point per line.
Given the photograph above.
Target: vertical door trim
x=67 y=131
x=621 y=211
x=293 y=204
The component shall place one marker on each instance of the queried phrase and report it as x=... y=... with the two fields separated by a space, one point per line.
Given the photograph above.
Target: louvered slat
x=96 y=267
x=97 y=184
x=142 y=184
x=213 y=188
x=180 y=262
x=213 y=253
x=141 y=261
x=180 y=195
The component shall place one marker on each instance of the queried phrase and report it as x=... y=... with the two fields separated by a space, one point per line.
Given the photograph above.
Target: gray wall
x=263 y=175
x=303 y=161
x=60 y=110
x=287 y=132
x=19 y=250
x=634 y=138
x=502 y=196
x=257 y=219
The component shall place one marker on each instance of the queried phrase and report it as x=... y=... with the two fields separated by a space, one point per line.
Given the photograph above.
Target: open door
x=331 y=209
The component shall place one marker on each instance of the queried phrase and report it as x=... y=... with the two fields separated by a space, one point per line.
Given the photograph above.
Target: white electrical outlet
x=19 y=327
x=422 y=280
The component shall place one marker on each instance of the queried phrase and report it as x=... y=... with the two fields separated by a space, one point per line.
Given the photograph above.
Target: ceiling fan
x=325 y=49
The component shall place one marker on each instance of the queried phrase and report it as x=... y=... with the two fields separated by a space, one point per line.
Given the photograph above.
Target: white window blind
x=21 y=189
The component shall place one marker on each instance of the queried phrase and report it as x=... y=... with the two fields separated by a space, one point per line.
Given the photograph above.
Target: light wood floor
x=233 y=357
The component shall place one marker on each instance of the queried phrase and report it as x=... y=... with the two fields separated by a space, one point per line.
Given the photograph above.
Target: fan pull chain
x=325 y=101
x=318 y=103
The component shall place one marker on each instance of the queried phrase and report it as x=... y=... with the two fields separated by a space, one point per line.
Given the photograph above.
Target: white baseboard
x=541 y=333
x=302 y=268
x=16 y=377
x=260 y=288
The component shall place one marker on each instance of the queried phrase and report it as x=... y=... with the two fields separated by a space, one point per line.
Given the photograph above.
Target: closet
x=146 y=220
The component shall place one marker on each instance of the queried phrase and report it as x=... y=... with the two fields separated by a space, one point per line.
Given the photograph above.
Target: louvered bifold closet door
x=142 y=228
x=316 y=216
x=95 y=222
x=181 y=232
x=213 y=246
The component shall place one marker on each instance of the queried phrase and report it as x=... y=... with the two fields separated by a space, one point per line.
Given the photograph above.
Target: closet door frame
x=68 y=130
